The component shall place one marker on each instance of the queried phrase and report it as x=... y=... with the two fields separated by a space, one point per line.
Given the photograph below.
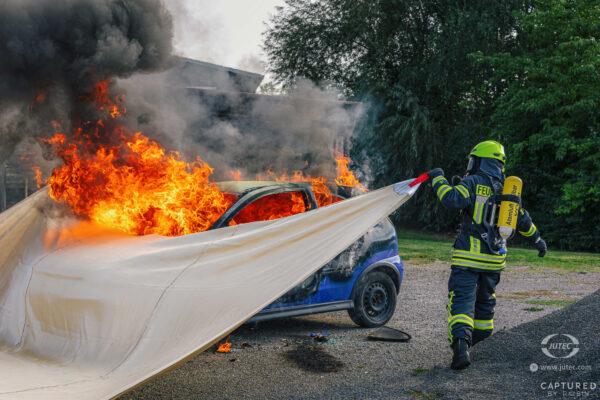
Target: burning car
x=125 y=181
x=364 y=279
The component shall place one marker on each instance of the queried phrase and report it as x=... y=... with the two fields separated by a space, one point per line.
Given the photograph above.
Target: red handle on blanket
x=420 y=179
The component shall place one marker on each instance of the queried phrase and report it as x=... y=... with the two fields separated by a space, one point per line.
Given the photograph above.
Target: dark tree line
x=441 y=75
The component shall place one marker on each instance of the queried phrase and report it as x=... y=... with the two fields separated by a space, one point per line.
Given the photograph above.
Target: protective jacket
x=476 y=195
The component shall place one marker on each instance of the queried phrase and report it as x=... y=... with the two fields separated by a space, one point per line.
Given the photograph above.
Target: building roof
x=203 y=75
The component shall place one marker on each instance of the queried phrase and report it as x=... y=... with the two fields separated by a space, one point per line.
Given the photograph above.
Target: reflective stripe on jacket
x=471 y=196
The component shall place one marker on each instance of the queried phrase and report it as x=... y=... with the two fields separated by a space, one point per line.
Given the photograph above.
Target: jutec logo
x=553 y=347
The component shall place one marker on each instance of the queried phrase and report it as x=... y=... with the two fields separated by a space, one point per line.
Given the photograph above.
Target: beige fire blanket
x=86 y=314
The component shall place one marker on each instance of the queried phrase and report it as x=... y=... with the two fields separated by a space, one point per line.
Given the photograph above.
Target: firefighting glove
x=541 y=246
x=435 y=173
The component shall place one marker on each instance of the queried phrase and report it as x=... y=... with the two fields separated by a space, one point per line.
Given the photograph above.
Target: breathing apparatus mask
x=472 y=168
x=473 y=165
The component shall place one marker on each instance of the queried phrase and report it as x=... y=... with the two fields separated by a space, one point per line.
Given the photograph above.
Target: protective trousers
x=471 y=302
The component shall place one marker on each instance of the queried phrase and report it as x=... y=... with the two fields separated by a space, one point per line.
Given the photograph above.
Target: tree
x=408 y=60
x=549 y=114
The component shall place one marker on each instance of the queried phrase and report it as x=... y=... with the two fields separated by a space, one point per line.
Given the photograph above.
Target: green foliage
x=548 y=117
x=408 y=60
x=269 y=88
x=440 y=76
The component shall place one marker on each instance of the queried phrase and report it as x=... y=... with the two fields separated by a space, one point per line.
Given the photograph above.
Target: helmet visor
x=470 y=165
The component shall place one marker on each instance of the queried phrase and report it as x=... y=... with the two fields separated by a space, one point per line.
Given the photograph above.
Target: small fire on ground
x=125 y=181
x=224 y=347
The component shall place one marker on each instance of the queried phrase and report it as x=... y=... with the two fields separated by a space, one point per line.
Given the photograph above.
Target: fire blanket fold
x=92 y=315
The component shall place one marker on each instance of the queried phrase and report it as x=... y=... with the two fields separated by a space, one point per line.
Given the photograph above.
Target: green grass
x=418 y=371
x=533 y=309
x=555 y=302
x=422 y=248
x=525 y=295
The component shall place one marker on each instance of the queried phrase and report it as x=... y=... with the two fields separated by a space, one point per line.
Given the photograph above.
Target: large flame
x=126 y=181
x=271 y=207
x=319 y=184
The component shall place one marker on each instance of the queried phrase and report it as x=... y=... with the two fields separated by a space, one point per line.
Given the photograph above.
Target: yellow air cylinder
x=509 y=210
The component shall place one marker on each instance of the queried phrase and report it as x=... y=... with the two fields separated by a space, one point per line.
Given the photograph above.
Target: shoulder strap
x=508 y=197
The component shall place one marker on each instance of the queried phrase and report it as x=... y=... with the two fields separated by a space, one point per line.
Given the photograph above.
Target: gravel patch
x=284 y=362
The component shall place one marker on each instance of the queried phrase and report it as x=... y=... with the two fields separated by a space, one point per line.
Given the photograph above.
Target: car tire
x=374 y=297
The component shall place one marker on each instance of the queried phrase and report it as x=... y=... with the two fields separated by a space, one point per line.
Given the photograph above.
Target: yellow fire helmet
x=489 y=149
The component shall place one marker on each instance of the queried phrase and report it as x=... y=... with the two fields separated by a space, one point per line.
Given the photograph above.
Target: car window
x=270 y=207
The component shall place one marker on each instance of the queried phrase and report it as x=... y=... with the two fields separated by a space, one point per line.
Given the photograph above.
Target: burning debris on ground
x=225 y=347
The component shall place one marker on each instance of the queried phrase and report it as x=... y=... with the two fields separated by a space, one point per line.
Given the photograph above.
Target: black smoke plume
x=53 y=52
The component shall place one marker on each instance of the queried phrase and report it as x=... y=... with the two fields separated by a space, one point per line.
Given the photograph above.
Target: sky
x=225 y=32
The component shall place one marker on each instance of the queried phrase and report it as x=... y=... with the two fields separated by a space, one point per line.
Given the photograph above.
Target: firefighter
x=476 y=257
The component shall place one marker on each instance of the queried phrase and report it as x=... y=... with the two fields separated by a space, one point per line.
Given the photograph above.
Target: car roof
x=237 y=187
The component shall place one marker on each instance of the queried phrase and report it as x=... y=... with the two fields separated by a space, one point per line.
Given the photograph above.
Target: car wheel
x=374 y=297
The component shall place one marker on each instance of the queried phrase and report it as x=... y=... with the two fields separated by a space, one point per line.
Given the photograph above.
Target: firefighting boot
x=461 y=358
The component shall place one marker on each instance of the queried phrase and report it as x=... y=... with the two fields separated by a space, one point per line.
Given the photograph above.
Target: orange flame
x=236 y=175
x=319 y=184
x=126 y=181
x=224 y=347
x=102 y=99
x=345 y=177
x=136 y=187
x=271 y=207
x=39 y=98
x=130 y=182
x=38 y=176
